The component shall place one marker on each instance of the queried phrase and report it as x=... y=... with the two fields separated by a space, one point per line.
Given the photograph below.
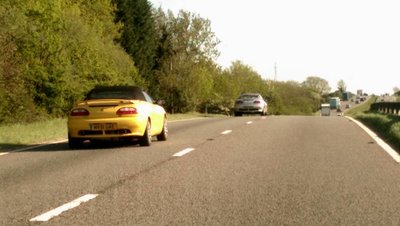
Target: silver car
x=250 y=103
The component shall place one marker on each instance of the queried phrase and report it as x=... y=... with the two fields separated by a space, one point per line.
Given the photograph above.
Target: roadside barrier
x=386 y=107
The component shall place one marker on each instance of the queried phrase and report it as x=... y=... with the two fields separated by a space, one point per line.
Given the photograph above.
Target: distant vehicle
x=348 y=106
x=334 y=102
x=325 y=110
x=116 y=112
x=339 y=112
x=250 y=103
x=346 y=96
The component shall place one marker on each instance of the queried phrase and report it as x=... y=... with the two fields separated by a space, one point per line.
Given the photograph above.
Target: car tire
x=75 y=143
x=237 y=113
x=145 y=140
x=164 y=133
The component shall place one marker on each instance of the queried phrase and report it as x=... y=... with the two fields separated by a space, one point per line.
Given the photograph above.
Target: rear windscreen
x=115 y=94
x=249 y=96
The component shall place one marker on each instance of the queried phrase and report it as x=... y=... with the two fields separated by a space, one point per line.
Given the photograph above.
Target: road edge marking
x=378 y=140
x=39 y=145
x=57 y=211
x=183 y=120
x=4 y=153
x=183 y=152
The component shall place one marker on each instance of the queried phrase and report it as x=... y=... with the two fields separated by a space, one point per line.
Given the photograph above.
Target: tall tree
x=138 y=34
x=186 y=53
x=396 y=91
x=341 y=86
x=317 y=84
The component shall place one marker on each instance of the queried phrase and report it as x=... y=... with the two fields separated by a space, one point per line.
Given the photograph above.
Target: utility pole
x=276 y=72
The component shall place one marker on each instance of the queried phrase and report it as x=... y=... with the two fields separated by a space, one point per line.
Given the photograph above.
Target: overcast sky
x=354 y=40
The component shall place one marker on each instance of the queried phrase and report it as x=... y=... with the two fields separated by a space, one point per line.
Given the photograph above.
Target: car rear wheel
x=237 y=113
x=145 y=140
x=164 y=133
x=75 y=143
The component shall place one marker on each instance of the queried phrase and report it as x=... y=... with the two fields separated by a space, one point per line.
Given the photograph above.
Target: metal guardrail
x=386 y=107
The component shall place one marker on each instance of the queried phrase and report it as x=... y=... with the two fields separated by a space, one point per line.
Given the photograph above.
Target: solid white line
x=183 y=152
x=183 y=120
x=378 y=140
x=40 y=145
x=53 y=213
x=226 y=132
x=4 y=153
x=249 y=122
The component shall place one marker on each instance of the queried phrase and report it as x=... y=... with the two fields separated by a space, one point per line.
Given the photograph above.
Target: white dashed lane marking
x=57 y=211
x=183 y=152
x=226 y=132
x=4 y=153
x=249 y=122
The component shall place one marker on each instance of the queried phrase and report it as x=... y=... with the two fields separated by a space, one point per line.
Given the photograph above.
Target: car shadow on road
x=63 y=146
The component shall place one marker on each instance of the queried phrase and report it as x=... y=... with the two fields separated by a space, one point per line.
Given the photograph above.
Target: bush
x=386 y=126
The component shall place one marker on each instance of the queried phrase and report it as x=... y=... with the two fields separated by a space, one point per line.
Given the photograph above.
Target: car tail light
x=79 y=112
x=257 y=102
x=127 y=111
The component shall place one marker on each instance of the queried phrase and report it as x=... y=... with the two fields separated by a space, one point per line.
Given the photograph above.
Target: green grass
x=34 y=133
x=386 y=126
x=364 y=107
x=17 y=135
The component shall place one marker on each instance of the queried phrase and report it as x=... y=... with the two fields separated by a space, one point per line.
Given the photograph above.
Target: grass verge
x=34 y=133
x=386 y=126
x=17 y=135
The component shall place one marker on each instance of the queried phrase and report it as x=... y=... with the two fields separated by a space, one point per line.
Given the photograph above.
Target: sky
x=357 y=41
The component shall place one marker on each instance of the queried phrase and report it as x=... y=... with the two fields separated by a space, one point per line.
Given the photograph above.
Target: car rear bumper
x=249 y=110
x=106 y=128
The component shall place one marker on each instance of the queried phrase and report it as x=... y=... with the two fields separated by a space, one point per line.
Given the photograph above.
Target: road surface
x=275 y=170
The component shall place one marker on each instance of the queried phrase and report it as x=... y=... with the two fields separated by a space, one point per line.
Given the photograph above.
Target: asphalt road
x=275 y=170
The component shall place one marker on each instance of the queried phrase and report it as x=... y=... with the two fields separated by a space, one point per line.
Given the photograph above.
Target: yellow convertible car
x=115 y=113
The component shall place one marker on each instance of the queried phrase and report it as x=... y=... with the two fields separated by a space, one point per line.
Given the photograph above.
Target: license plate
x=102 y=126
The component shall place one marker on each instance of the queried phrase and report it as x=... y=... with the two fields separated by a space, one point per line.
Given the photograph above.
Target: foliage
x=289 y=98
x=138 y=35
x=387 y=126
x=396 y=91
x=317 y=84
x=52 y=52
x=187 y=48
x=364 y=107
x=341 y=85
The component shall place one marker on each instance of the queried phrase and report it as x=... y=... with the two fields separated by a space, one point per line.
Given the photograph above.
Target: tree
x=341 y=86
x=396 y=91
x=289 y=98
x=185 y=59
x=139 y=35
x=52 y=52
x=317 y=84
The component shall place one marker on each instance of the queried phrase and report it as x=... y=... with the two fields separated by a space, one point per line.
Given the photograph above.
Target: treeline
x=53 y=52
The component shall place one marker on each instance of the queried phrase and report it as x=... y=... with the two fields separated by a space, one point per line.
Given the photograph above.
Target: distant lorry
x=346 y=96
x=325 y=109
x=334 y=102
